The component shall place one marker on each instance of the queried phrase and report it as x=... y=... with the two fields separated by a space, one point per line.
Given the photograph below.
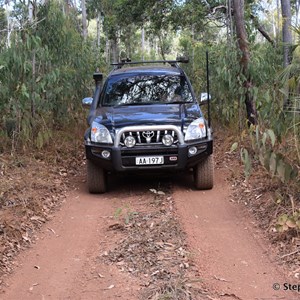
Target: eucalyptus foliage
x=44 y=73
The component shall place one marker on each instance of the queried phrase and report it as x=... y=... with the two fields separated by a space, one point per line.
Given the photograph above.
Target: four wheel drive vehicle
x=147 y=118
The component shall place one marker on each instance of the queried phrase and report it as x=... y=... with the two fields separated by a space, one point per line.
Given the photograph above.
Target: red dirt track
x=232 y=256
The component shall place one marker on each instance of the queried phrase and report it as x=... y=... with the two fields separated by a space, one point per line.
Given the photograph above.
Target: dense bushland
x=45 y=72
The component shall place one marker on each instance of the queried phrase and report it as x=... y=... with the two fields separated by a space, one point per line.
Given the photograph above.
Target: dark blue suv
x=147 y=118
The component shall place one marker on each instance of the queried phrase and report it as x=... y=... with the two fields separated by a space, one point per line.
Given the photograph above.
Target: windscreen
x=146 y=89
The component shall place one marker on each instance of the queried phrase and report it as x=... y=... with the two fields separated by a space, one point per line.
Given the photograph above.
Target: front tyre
x=204 y=174
x=96 y=178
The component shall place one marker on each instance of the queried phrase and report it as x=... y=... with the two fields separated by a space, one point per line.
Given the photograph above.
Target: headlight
x=196 y=130
x=100 y=134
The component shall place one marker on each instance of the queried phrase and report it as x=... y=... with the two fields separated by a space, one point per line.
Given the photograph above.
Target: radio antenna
x=207 y=88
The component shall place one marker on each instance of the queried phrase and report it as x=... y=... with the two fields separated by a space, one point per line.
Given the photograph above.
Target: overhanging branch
x=262 y=30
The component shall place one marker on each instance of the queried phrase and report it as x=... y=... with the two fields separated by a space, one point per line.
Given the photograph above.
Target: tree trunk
x=128 y=41
x=84 y=21
x=98 y=35
x=115 y=50
x=238 y=7
x=107 y=50
x=286 y=39
x=297 y=13
x=143 y=43
x=161 y=47
x=7 y=9
x=229 y=22
x=30 y=12
x=193 y=48
x=31 y=19
x=277 y=22
x=98 y=30
x=286 y=31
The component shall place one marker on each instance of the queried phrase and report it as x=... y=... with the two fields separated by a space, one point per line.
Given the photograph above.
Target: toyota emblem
x=148 y=135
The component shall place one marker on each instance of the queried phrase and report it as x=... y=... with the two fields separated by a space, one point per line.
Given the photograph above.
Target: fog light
x=105 y=154
x=192 y=150
x=167 y=140
x=129 y=141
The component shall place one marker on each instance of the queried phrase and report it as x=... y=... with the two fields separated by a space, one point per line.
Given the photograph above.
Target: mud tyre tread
x=96 y=178
x=204 y=174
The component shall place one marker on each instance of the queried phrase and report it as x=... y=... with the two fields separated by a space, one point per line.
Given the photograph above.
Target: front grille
x=149 y=137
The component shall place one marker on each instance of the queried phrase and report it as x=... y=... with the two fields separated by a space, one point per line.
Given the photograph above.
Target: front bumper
x=122 y=159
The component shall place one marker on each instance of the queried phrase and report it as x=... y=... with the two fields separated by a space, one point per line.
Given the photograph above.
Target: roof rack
x=127 y=61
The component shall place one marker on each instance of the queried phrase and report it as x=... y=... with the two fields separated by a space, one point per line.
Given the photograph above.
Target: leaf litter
x=153 y=248
x=32 y=187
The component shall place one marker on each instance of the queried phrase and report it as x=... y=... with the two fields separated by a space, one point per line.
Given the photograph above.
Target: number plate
x=149 y=160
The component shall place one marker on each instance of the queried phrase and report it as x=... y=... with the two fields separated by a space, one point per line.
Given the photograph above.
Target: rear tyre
x=96 y=178
x=204 y=174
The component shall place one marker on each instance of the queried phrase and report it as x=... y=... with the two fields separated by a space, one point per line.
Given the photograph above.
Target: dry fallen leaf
x=33 y=285
x=160 y=193
x=37 y=218
x=220 y=278
x=51 y=230
x=26 y=238
x=230 y=295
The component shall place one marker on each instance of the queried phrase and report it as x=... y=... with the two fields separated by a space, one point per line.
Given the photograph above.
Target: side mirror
x=87 y=102
x=204 y=97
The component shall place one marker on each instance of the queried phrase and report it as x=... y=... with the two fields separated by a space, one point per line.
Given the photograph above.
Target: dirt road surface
x=231 y=254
